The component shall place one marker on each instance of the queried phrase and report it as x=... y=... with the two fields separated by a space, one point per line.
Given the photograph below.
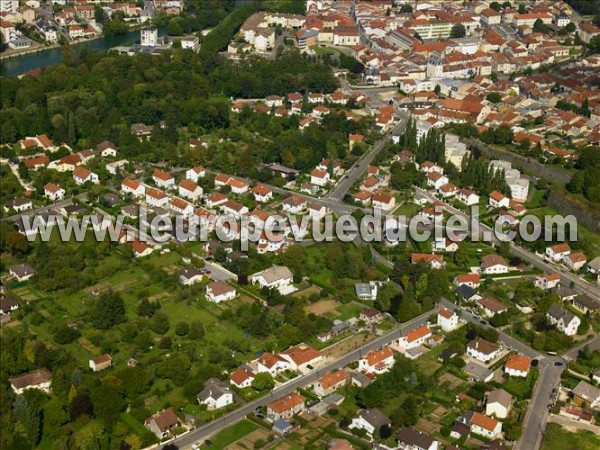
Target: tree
x=88 y=437
x=539 y=26
x=437 y=89
x=182 y=328
x=406 y=8
x=494 y=97
x=263 y=381
x=196 y=331
x=108 y=310
x=458 y=31
x=495 y=6
x=108 y=403
x=159 y=323
x=65 y=334
x=570 y=27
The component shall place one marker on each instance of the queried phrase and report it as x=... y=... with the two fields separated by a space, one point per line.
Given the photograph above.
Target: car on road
x=558 y=364
x=208 y=443
x=483 y=322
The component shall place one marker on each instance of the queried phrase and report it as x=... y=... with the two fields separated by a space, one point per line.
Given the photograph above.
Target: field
x=557 y=437
x=232 y=434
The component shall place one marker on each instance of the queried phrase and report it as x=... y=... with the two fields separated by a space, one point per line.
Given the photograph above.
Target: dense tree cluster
x=476 y=173
x=585 y=180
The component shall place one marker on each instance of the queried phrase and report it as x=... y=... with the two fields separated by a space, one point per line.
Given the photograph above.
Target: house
x=242 y=377
x=493 y=264
x=331 y=381
x=366 y=291
x=316 y=211
x=467 y=293
x=467 y=197
x=215 y=199
x=133 y=187
x=262 y=193
x=18 y=205
x=370 y=420
x=436 y=180
x=482 y=350
x=478 y=372
x=586 y=395
x=282 y=427
x=190 y=190
x=36 y=163
x=68 y=163
x=564 y=320
x=485 y=426
x=162 y=422
x=21 y=272
x=557 y=252
x=470 y=279
x=444 y=245
x=234 y=209
x=8 y=305
x=377 y=361
x=195 y=173
x=238 y=186
x=162 y=179
x=409 y=439
x=275 y=277
x=517 y=366
x=370 y=184
x=547 y=281
x=294 y=204
x=575 y=261
x=594 y=265
x=271 y=363
x=154 y=197
x=320 y=177
x=498 y=200
x=415 y=338
x=384 y=202
x=218 y=291
x=190 y=276
x=286 y=407
x=498 y=403
x=82 y=175
x=448 y=190
x=100 y=363
x=362 y=197
x=141 y=249
x=181 y=207
x=107 y=149
x=435 y=261
x=36 y=379
x=491 y=306
x=587 y=305
x=448 y=320
x=302 y=357
x=215 y=395
x=371 y=316
x=53 y=192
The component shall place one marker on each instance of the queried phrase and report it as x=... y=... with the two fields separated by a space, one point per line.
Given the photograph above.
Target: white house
x=190 y=276
x=271 y=363
x=547 y=281
x=517 y=366
x=234 y=209
x=377 y=361
x=302 y=357
x=82 y=175
x=133 y=187
x=54 y=192
x=575 y=261
x=447 y=320
x=557 y=252
x=195 y=173
x=482 y=350
x=242 y=377
x=215 y=395
x=162 y=179
x=498 y=403
x=262 y=193
x=382 y=201
x=467 y=197
x=331 y=381
x=180 y=206
x=564 y=320
x=100 y=363
x=36 y=379
x=415 y=338
x=219 y=291
x=320 y=177
x=485 y=426
x=493 y=264
x=370 y=420
x=294 y=204
x=190 y=190
x=498 y=200
x=436 y=180
x=154 y=197
x=275 y=277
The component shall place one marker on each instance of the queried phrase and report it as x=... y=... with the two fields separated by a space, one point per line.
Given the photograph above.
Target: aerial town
x=139 y=139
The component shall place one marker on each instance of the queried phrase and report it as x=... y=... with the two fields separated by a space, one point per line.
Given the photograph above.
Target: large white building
x=149 y=37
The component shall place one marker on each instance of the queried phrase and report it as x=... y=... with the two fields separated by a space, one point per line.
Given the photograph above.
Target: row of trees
x=476 y=172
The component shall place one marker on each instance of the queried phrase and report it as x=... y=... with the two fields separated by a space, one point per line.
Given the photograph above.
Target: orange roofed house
x=331 y=381
x=377 y=361
x=100 y=363
x=302 y=357
x=286 y=407
x=162 y=423
x=517 y=366
x=415 y=338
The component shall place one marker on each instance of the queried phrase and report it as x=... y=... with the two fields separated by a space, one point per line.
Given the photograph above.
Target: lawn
x=556 y=437
x=520 y=388
x=232 y=434
x=408 y=209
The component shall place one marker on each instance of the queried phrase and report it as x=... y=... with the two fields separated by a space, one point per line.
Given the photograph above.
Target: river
x=18 y=65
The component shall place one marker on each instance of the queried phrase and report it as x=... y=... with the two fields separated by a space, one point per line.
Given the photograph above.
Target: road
x=566 y=277
x=207 y=430
x=359 y=168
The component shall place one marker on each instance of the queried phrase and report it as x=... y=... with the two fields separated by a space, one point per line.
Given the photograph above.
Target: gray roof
x=362 y=289
x=586 y=391
x=499 y=396
x=419 y=440
x=375 y=417
x=595 y=264
x=465 y=291
x=189 y=272
x=22 y=270
x=559 y=312
x=587 y=302
x=273 y=274
x=477 y=371
x=213 y=388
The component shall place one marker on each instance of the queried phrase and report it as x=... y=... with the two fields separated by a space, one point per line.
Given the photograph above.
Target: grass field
x=232 y=434
x=557 y=437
